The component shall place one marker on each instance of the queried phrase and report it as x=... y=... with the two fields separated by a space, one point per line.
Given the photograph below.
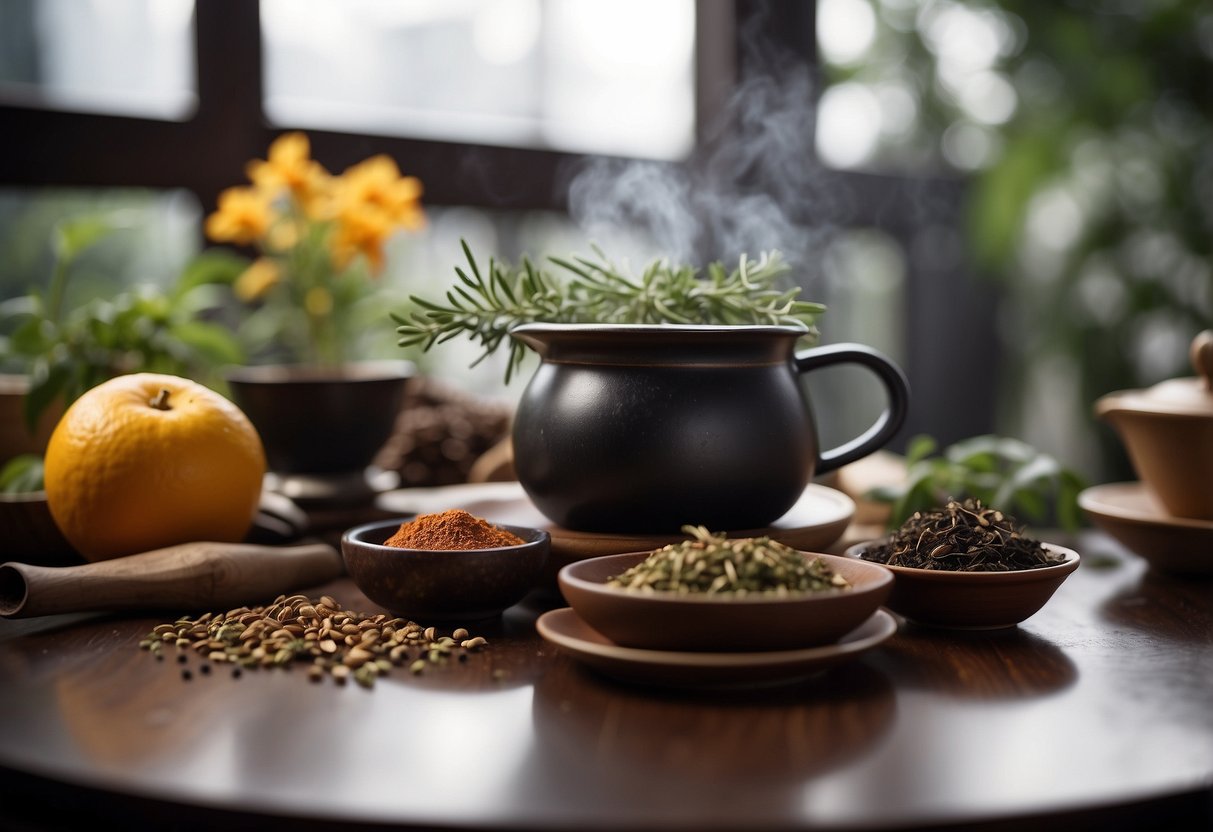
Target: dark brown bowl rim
x=20 y=497
x=567 y=575
x=1013 y=576
x=531 y=537
x=351 y=372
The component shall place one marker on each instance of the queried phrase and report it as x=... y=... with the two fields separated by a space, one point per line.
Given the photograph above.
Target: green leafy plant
x=1089 y=200
x=21 y=475
x=1003 y=473
x=144 y=330
x=485 y=306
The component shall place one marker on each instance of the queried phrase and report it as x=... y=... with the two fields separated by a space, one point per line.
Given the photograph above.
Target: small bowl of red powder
x=444 y=566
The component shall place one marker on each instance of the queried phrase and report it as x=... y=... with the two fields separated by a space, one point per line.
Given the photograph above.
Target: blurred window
x=587 y=76
x=149 y=236
x=129 y=57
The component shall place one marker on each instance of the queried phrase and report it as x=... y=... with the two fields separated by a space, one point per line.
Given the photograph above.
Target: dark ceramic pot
x=322 y=420
x=631 y=429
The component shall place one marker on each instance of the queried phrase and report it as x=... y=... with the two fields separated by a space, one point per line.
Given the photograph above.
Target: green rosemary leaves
x=486 y=305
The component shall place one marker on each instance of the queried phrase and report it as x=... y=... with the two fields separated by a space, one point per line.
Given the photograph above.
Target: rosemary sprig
x=486 y=305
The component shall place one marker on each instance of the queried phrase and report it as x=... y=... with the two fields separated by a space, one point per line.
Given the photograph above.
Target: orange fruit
x=145 y=461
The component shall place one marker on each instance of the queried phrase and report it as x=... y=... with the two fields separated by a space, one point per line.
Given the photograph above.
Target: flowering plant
x=320 y=242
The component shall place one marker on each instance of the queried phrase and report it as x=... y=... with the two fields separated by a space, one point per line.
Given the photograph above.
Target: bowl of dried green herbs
x=712 y=593
x=967 y=566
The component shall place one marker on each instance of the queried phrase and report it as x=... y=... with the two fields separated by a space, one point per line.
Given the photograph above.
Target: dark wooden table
x=1097 y=711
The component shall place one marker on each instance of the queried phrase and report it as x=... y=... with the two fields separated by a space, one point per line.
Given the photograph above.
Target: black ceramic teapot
x=635 y=429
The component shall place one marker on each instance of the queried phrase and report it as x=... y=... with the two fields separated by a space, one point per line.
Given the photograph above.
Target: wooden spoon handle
x=187 y=577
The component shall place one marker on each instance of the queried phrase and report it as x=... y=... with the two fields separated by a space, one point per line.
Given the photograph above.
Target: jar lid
x=1177 y=396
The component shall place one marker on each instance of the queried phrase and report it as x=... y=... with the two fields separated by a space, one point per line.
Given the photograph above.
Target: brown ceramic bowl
x=30 y=533
x=426 y=585
x=664 y=621
x=972 y=600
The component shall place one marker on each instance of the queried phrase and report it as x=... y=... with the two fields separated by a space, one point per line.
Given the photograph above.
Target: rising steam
x=753 y=185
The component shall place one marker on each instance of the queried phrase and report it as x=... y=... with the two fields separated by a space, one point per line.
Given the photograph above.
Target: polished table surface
x=1097 y=710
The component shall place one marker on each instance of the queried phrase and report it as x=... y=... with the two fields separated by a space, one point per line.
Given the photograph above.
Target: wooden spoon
x=186 y=577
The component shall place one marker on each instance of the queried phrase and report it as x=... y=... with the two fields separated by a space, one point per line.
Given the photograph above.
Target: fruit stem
x=161 y=400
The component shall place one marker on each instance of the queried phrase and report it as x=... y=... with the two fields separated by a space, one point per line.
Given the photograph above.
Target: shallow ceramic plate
x=669 y=621
x=669 y=668
x=973 y=600
x=817 y=519
x=1131 y=514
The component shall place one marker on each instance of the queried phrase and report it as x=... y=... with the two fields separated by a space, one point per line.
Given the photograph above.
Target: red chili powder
x=453 y=529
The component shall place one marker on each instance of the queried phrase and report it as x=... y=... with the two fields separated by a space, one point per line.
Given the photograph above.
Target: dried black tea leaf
x=962 y=537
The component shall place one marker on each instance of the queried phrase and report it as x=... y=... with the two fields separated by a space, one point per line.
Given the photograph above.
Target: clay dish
x=972 y=600
x=426 y=585
x=665 y=621
x=1168 y=432
x=30 y=533
x=1129 y=512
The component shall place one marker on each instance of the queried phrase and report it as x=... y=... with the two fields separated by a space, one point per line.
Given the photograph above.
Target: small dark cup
x=442 y=585
x=322 y=420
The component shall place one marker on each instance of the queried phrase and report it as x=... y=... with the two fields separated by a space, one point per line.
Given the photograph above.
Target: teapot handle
x=890 y=420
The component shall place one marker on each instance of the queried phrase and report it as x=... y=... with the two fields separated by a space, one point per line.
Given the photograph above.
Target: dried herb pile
x=962 y=537
x=714 y=565
x=332 y=641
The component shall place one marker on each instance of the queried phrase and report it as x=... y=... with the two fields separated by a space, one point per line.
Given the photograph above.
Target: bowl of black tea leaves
x=967 y=566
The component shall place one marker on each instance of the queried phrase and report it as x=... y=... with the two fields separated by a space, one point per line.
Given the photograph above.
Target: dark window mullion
x=229 y=127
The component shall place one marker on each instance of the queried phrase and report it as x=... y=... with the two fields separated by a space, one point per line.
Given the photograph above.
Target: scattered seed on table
x=339 y=643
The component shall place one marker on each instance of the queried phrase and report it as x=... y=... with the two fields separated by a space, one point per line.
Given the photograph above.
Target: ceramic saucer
x=817 y=519
x=1132 y=515
x=669 y=668
x=328 y=490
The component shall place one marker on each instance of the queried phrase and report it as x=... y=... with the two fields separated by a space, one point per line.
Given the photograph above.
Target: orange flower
x=284 y=235
x=243 y=217
x=360 y=232
x=257 y=279
x=376 y=183
x=290 y=166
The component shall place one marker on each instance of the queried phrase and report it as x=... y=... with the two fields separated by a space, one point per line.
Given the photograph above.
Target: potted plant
x=310 y=291
x=664 y=399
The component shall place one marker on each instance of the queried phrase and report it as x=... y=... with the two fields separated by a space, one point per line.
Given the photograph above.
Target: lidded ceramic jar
x=1168 y=432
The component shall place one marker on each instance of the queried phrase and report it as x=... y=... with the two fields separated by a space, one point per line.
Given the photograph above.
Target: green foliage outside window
x=1091 y=203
